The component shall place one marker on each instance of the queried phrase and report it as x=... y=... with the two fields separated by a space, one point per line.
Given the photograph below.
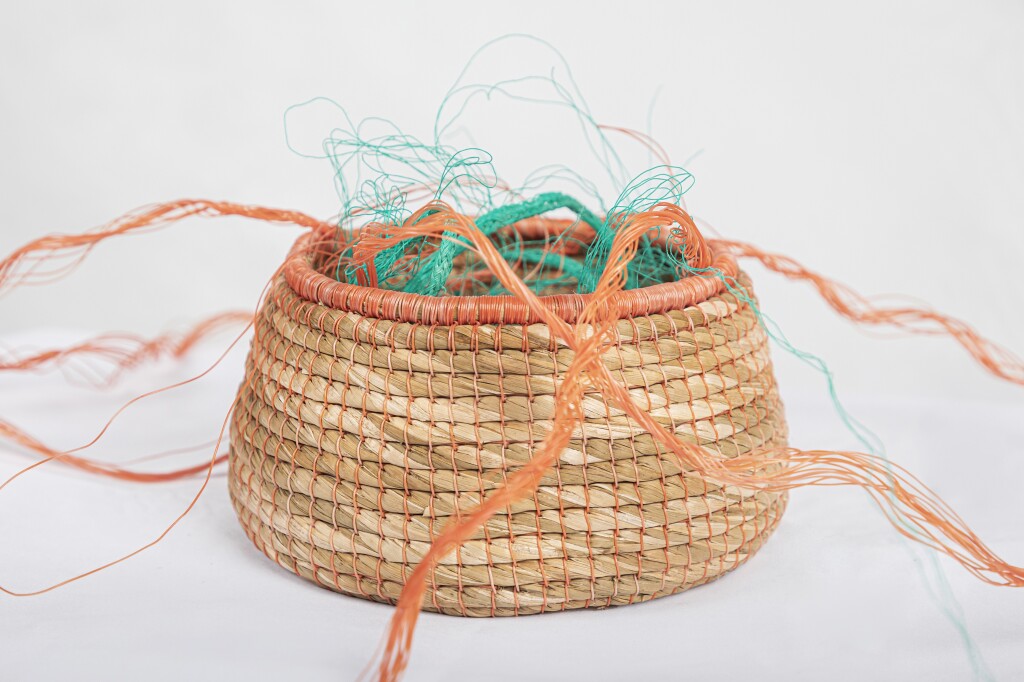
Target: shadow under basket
x=369 y=418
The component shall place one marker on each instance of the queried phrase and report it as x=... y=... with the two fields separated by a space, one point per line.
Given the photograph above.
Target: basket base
x=590 y=591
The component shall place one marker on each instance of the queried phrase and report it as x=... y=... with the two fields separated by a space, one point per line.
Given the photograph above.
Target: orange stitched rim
x=312 y=285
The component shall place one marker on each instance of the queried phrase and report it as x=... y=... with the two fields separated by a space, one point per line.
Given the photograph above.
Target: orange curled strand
x=31 y=264
x=126 y=351
x=858 y=308
x=12 y=433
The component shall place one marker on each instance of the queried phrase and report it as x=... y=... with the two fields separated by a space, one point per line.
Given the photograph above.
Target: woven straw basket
x=369 y=418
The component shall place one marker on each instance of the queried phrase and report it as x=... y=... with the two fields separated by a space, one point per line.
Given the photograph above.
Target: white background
x=879 y=143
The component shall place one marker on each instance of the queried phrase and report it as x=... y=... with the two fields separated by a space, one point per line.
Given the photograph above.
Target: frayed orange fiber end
x=49 y=258
x=109 y=355
x=858 y=308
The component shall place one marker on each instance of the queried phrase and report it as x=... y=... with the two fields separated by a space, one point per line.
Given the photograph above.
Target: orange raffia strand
x=17 y=435
x=858 y=308
x=644 y=139
x=113 y=348
x=13 y=434
x=207 y=468
x=903 y=498
x=25 y=265
x=125 y=351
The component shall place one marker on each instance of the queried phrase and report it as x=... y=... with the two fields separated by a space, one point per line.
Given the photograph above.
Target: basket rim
x=400 y=306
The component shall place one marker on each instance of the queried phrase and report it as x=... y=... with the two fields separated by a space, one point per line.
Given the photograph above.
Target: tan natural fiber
x=356 y=438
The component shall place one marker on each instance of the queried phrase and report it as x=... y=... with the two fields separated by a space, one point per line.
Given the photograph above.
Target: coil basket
x=370 y=418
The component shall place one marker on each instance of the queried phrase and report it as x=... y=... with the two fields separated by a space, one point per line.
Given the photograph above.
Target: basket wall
x=355 y=439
